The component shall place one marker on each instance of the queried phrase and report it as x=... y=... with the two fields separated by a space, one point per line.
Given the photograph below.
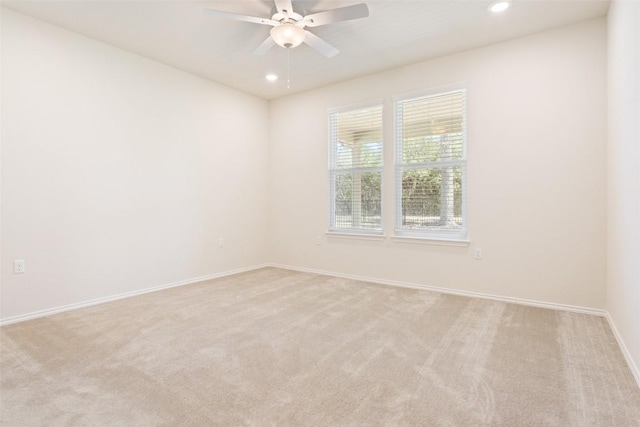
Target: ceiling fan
x=289 y=27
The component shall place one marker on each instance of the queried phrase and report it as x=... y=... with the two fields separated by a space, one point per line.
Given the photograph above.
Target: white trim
x=356 y=106
x=61 y=309
x=355 y=236
x=625 y=351
x=513 y=300
x=431 y=241
x=424 y=93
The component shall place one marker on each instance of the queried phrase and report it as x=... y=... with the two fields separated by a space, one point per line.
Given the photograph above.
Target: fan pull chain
x=289 y=68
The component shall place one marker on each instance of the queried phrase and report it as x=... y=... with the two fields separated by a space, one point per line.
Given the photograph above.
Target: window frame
x=399 y=167
x=334 y=171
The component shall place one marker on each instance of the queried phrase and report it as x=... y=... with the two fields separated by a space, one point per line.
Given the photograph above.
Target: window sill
x=432 y=241
x=355 y=236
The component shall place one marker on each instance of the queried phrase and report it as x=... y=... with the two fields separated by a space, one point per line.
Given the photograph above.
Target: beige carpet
x=276 y=347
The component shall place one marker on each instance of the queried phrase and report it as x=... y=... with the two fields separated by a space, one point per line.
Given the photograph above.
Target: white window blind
x=430 y=137
x=355 y=146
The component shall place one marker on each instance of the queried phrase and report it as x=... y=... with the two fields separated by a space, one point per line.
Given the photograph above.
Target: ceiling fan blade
x=237 y=17
x=335 y=15
x=320 y=45
x=284 y=6
x=264 y=47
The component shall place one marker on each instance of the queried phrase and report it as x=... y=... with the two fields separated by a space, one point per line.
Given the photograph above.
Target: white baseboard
x=625 y=351
x=521 y=301
x=55 y=310
x=534 y=303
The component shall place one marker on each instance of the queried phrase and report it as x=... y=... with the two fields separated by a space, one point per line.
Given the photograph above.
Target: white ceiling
x=396 y=33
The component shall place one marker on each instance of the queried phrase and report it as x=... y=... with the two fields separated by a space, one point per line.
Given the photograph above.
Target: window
x=430 y=136
x=355 y=145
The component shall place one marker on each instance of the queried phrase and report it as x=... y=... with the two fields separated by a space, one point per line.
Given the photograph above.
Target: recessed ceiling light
x=499 y=6
x=271 y=77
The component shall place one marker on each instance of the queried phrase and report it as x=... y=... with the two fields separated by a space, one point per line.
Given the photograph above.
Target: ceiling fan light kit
x=288 y=35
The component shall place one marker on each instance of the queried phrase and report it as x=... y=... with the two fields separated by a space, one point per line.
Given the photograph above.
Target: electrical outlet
x=19 y=266
x=478 y=253
x=319 y=240
x=220 y=242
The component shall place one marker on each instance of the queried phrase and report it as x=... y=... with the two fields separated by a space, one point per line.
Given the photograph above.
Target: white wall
x=623 y=257
x=536 y=169
x=119 y=173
